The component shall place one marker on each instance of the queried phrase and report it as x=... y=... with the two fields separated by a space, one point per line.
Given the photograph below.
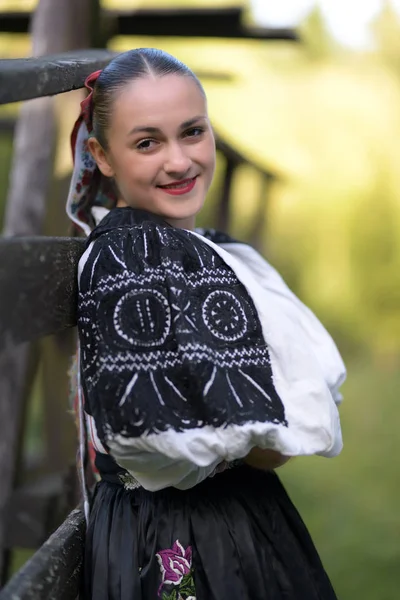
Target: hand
x=266 y=460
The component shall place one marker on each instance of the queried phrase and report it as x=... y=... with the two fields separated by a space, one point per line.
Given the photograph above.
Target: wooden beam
x=24 y=79
x=54 y=571
x=233 y=154
x=260 y=218
x=53 y=24
x=223 y=215
x=38 y=287
x=194 y=22
x=18 y=364
x=176 y=22
x=28 y=78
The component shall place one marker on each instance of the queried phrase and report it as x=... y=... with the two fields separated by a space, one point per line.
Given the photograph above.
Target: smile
x=179 y=187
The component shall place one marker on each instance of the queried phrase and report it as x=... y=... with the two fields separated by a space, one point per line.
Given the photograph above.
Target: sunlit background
x=323 y=117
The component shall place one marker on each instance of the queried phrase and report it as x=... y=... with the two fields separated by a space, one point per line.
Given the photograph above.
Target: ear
x=100 y=156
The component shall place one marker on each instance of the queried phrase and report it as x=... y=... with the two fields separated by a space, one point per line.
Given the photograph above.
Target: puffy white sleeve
x=320 y=342
x=187 y=362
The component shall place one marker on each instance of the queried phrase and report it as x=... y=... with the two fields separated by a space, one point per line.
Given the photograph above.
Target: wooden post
x=57 y=26
x=223 y=214
x=57 y=350
x=260 y=217
x=17 y=368
x=55 y=570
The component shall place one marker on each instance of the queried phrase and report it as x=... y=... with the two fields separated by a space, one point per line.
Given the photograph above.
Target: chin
x=186 y=211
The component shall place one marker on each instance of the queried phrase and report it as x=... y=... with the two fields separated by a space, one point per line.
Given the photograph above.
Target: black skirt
x=235 y=536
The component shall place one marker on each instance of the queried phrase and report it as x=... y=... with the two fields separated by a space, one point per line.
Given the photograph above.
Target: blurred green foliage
x=326 y=123
x=350 y=504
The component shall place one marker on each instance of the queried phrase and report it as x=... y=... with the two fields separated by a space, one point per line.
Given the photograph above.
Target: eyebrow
x=149 y=129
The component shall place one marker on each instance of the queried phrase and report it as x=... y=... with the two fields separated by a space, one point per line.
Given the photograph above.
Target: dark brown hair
x=125 y=68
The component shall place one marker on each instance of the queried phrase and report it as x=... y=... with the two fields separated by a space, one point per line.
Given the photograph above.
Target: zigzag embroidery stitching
x=121 y=280
x=212 y=354
x=163 y=361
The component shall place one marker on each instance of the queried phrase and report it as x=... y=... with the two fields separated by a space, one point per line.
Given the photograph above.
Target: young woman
x=201 y=372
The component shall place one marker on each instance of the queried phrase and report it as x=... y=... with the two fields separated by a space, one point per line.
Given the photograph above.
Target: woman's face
x=161 y=148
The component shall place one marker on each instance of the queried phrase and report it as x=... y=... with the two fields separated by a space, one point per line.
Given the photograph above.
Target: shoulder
x=122 y=223
x=134 y=241
x=215 y=236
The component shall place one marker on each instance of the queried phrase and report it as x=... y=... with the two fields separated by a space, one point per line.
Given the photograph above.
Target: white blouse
x=307 y=372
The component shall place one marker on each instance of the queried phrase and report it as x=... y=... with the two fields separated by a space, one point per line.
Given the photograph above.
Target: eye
x=194 y=132
x=146 y=145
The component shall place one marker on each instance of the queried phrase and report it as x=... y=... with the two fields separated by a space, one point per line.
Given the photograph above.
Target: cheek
x=132 y=168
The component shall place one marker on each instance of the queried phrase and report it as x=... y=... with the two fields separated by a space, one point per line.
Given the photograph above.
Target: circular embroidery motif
x=224 y=316
x=143 y=318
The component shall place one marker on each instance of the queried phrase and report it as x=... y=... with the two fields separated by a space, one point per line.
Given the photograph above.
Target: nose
x=177 y=161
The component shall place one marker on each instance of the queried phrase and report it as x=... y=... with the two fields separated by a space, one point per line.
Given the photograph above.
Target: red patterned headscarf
x=89 y=189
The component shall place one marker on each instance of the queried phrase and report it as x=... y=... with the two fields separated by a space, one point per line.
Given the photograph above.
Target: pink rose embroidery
x=174 y=563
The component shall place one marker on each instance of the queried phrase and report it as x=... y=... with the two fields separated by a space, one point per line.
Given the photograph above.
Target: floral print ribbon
x=88 y=186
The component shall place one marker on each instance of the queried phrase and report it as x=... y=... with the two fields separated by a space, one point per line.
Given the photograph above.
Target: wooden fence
x=175 y=22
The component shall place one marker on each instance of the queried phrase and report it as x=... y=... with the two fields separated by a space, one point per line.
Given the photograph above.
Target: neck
x=188 y=223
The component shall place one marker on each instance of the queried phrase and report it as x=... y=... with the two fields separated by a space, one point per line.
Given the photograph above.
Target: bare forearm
x=266 y=460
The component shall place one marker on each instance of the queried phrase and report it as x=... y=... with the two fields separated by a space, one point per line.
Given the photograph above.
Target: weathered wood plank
x=37 y=287
x=24 y=79
x=18 y=364
x=260 y=219
x=28 y=78
x=238 y=158
x=194 y=22
x=57 y=26
x=54 y=572
x=224 y=205
x=177 y=22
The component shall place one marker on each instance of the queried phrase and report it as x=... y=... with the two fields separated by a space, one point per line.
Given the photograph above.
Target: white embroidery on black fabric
x=200 y=259
x=224 y=316
x=125 y=278
x=182 y=314
x=176 y=340
x=157 y=391
x=238 y=400
x=209 y=382
x=117 y=259
x=121 y=362
x=93 y=268
x=128 y=389
x=143 y=317
x=175 y=389
x=140 y=421
x=263 y=392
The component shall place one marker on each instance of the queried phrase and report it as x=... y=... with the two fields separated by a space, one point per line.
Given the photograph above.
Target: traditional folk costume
x=193 y=351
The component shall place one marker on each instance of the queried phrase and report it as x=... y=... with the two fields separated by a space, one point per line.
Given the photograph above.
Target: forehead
x=158 y=102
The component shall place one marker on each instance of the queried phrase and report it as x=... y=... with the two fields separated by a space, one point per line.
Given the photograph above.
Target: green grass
x=350 y=503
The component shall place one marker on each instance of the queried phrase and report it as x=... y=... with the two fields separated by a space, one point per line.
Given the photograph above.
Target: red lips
x=177 y=188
